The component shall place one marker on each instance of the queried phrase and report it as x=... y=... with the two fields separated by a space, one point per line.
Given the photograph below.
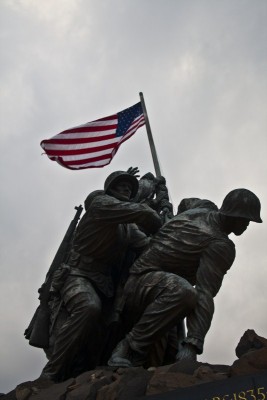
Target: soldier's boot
x=48 y=377
x=124 y=356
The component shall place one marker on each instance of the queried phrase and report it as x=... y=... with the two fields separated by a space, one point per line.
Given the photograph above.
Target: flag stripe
x=90 y=159
x=95 y=143
x=99 y=128
x=72 y=151
x=85 y=156
x=56 y=144
x=76 y=139
x=89 y=146
x=94 y=164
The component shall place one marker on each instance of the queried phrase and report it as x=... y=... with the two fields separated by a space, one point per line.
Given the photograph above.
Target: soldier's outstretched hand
x=133 y=171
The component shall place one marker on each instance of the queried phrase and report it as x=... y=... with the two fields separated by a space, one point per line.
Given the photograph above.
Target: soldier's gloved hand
x=133 y=171
x=160 y=180
x=187 y=352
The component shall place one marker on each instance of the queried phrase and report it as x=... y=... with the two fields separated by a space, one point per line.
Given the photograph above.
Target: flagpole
x=181 y=324
x=150 y=137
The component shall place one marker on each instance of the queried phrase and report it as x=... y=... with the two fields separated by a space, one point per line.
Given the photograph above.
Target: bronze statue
x=153 y=191
x=39 y=330
x=88 y=282
x=195 y=202
x=179 y=274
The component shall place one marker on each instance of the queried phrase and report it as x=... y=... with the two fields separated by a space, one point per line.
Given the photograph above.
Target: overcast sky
x=201 y=65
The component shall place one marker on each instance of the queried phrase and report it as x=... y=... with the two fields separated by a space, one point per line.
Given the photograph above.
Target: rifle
x=38 y=330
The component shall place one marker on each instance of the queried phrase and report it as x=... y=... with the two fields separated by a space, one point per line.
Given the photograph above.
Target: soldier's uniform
x=179 y=275
x=102 y=239
x=190 y=250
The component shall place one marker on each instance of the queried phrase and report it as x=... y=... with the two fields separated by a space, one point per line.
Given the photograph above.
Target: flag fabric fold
x=94 y=144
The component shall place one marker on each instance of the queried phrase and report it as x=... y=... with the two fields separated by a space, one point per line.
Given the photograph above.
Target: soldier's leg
x=172 y=299
x=84 y=309
x=157 y=301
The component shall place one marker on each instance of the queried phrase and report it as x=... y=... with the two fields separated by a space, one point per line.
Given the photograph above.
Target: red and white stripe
x=91 y=145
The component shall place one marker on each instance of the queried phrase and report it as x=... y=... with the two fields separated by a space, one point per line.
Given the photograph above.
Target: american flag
x=95 y=143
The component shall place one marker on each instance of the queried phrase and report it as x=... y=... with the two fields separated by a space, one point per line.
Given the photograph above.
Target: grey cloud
x=202 y=68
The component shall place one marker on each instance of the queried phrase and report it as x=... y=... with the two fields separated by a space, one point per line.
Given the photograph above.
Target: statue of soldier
x=179 y=274
x=87 y=283
x=195 y=202
x=153 y=191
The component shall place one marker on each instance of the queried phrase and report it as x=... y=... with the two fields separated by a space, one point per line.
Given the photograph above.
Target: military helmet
x=90 y=198
x=195 y=202
x=242 y=203
x=118 y=176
